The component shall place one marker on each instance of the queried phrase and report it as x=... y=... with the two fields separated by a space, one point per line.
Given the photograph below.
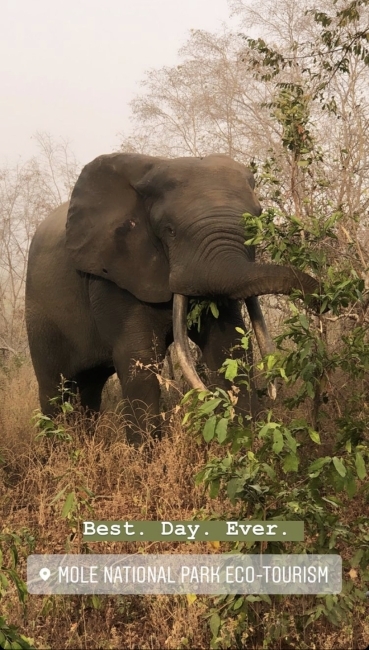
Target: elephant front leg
x=136 y=334
x=142 y=399
x=138 y=376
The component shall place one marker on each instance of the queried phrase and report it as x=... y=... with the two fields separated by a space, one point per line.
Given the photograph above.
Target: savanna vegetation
x=288 y=95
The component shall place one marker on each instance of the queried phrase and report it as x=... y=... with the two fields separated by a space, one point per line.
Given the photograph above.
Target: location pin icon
x=45 y=573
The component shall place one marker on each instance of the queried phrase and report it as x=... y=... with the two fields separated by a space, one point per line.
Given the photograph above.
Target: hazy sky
x=70 y=67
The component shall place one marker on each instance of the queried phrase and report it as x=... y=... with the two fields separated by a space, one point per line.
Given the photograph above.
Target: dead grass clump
x=18 y=399
x=112 y=480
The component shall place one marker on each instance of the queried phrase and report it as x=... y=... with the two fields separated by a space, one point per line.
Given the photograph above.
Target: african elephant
x=109 y=274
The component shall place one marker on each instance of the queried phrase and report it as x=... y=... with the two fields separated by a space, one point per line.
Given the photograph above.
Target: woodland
x=286 y=93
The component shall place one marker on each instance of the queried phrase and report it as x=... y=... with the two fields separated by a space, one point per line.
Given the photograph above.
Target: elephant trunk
x=181 y=342
x=258 y=279
x=262 y=279
x=236 y=277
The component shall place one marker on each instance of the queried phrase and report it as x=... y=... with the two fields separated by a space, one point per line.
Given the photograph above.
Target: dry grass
x=128 y=483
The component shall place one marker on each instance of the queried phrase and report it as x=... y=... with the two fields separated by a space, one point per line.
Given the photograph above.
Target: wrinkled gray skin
x=102 y=273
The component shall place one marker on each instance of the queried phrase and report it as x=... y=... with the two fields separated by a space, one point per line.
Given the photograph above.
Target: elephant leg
x=216 y=339
x=137 y=360
x=87 y=383
x=50 y=357
x=49 y=388
x=57 y=364
x=136 y=334
x=141 y=390
x=141 y=393
x=90 y=384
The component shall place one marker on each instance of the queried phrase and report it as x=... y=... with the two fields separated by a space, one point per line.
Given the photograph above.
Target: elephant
x=110 y=274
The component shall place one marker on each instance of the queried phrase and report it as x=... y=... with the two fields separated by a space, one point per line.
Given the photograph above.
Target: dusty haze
x=70 y=68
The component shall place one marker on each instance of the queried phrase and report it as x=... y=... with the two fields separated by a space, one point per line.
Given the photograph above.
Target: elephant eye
x=171 y=231
x=125 y=228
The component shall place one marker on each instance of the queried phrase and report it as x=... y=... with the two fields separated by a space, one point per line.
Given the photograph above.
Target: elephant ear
x=108 y=228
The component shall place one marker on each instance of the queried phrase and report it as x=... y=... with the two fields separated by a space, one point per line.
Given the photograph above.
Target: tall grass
x=125 y=483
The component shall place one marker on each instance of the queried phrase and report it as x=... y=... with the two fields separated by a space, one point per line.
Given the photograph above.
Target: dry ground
x=126 y=484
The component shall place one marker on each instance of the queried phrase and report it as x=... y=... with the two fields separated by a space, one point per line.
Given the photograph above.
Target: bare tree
x=28 y=193
x=214 y=101
x=209 y=103
x=222 y=98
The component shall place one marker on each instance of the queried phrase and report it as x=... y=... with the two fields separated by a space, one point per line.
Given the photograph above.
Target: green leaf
x=232 y=369
x=355 y=561
x=221 y=429
x=199 y=477
x=310 y=389
x=3 y=580
x=214 y=624
x=268 y=470
x=278 y=441
x=214 y=488
x=270 y=426
x=59 y=495
x=245 y=342
x=266 y=598
x=232 y=487
x=318 y=464
x=96 y=601
x=20 y=585
x=239 y=602
x=14 y=554
x=69 y=504
x=209 y=406
x=290 y=463
x=329 y=602
x=67 y=407
x=341 y=469
x=350 y=485
x=360 y=466
x=209 y=428
x=202 y=394
x=188 y=395
x=186 y=417
x=214 y=309
x=314 y=435
x=291 y=441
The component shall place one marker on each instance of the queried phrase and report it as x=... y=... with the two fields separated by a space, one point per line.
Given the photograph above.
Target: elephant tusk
x=181 y=342
x=265 y=343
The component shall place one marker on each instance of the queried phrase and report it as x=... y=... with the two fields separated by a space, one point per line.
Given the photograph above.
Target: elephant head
x=160 y=227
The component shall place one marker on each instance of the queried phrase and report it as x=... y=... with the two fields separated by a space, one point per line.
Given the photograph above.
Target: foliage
x=342 y=32
x=10 y=545
x=274 y=469
x=63 y=404
x=75 y=495
x=310 y=460
x=293 y=104
x=197 y=309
